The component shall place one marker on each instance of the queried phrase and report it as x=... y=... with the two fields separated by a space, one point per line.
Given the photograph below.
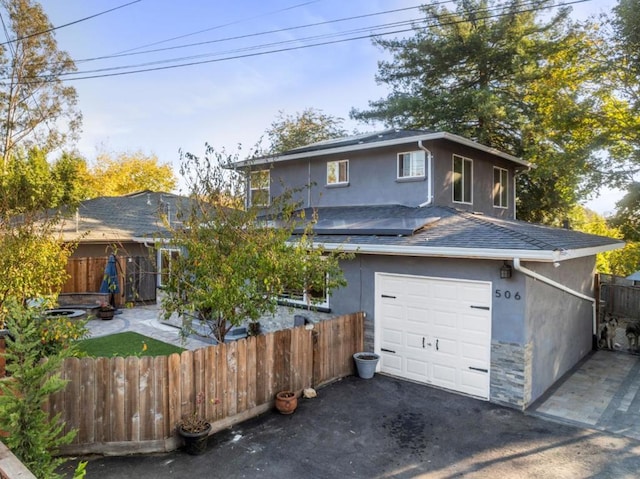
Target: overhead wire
x=42 y=32
x=141 y=68
x=250 y=35
x=235 y=22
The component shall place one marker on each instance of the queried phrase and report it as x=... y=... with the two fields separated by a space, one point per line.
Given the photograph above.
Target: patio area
x=148 y=320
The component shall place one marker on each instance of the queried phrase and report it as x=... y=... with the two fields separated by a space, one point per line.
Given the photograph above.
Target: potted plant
x=286 y=402
x=366 y=364
x=106 y=311
x=194 y=431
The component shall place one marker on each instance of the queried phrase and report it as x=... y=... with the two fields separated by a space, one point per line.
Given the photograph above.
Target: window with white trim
x=462 y=180
x=338 y=172
x=411 y=164
x=315 y=296
x=259 y=192
x=500 y=187
x=166 y=257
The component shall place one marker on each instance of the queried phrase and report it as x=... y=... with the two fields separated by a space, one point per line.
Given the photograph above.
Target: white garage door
x=435 y=330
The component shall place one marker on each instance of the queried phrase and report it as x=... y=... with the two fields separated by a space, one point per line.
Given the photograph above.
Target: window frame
x=338 y=163
x=413 y=156
x=162 y=270
x=501 y=194
x=305 y=299
x=466 y=184
x=261 y=188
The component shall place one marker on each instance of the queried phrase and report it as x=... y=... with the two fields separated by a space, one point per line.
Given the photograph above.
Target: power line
x=138 y=69
x=250 y=35
x=218 y=26
x=66 y=24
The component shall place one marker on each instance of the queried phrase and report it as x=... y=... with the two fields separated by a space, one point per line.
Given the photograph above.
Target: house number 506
x=507 y=294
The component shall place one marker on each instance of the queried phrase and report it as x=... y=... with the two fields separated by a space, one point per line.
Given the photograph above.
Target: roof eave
x=396 y=141
x=547 y=256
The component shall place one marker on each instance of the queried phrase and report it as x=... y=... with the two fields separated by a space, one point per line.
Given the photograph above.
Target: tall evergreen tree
x=511 y=75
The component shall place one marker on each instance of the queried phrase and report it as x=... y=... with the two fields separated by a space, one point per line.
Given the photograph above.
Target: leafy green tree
x=513 y=76
x=33 y=262
x=620 y=262
x=36 y=107
x=309 y=126
x=124 y=173
x=236 y=262
x=627 y=215
x=34 y=437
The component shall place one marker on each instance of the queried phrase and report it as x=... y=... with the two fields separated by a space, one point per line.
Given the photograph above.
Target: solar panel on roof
x=372 y=226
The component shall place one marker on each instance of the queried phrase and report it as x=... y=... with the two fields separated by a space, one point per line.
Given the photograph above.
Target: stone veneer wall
x=511 y=374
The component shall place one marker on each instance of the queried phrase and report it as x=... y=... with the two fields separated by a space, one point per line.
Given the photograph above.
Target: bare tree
x=36 y=107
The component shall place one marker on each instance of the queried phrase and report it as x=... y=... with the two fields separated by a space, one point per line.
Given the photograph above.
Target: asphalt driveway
x=388 y=428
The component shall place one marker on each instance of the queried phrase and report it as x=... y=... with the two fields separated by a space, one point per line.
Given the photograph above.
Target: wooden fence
x=619 y=296
x=124 y=405
x=86 y=275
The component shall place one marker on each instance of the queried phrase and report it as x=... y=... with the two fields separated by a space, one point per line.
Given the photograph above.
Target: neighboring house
x=458 y=293
x=125 y=226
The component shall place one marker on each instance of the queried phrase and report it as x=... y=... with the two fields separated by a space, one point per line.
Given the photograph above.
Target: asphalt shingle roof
x=112 y=218
x=450 y=228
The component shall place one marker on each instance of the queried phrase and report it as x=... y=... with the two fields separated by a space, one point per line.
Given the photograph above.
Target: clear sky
x=227 y=101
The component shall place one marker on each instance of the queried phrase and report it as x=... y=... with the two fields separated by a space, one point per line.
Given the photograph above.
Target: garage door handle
x=480 y=307
x=387 y=350
x=388 y=296
x=479 y=369
x=437 y=340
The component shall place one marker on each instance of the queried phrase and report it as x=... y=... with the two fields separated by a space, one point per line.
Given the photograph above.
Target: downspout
x=518 y=267
x=428 y=171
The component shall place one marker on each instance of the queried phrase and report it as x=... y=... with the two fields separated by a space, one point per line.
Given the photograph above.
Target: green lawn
x=126 y=344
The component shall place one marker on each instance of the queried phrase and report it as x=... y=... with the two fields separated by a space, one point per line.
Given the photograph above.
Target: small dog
x=608 y=332
x=633 y=332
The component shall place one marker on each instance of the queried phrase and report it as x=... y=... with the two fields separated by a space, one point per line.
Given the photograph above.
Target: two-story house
x=457 y=292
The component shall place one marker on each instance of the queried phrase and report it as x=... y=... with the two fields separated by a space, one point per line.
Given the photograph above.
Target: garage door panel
x=473 y=382
x=444 y=376
x=392 y=336
x=473 y=322
x=436 y=334
x=393 y=311
x=391 y=363
x=473 y=352
x=442 y=290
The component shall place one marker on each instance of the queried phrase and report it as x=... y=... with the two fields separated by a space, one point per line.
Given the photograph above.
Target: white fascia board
x=466 y=253
x=381 y=144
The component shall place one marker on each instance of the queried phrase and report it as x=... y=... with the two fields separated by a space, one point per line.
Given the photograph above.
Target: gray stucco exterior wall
x=373 y=179
x=530 y=348
x=559 y=325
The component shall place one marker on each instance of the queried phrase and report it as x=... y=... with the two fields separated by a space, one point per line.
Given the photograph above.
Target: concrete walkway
x=603 y=393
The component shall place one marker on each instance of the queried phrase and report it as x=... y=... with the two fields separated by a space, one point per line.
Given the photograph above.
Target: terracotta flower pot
x=286 y=402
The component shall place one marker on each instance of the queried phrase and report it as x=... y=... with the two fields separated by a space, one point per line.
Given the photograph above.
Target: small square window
x=338 y=172
x=411 y=164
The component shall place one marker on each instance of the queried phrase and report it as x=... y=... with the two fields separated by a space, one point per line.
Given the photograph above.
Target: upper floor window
x=338 y=172
x=500 y=187
x=462 y=180
x=411 y=164
x=259 y=193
